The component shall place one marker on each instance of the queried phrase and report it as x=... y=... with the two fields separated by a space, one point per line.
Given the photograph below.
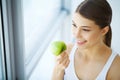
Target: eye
x=87 y=30
x=74 y=25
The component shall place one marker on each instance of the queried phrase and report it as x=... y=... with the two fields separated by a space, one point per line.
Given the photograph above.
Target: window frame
x=13 y=37
x=2 y=55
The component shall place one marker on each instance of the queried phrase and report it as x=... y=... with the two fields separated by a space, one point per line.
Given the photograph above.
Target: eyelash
x=82 y=29
x=86 y=30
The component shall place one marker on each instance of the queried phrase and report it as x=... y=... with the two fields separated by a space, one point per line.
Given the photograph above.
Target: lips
x=81 y=42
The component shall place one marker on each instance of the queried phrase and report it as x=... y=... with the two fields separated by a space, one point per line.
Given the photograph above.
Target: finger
x=63 y=54
x=65 y=65
x=61 y=60
x=64 y=59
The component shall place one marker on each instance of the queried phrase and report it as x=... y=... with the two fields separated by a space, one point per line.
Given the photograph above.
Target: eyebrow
x=82 y=26
x=73 y=22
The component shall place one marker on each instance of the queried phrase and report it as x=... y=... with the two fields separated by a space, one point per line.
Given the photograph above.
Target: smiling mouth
x=81 y=42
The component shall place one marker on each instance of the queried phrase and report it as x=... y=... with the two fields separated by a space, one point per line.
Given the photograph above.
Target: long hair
x=100 y=12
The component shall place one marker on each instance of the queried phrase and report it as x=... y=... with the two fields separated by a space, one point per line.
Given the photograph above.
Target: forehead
x=79 y=20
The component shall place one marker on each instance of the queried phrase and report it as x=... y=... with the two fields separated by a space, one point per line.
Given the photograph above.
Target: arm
x=62 y=61
x=57 y=74
x=114 y=73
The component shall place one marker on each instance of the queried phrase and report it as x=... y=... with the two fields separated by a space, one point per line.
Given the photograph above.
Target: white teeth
x=81 y=41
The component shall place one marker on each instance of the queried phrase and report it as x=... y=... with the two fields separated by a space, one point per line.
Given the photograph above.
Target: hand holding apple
x=57 y=47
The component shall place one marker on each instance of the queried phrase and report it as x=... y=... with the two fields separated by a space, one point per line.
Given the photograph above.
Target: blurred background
x=27 y=28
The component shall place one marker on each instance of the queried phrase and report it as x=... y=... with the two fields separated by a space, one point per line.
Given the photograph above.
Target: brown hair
x=100 y=12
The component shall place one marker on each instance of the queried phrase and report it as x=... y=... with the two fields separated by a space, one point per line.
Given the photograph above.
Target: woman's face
x=86 y=32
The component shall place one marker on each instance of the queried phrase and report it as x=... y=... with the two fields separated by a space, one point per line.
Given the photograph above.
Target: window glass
x=38 y=15
x=44 y=68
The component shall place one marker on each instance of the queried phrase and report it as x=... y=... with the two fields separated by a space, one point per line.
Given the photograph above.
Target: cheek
x=94 y=37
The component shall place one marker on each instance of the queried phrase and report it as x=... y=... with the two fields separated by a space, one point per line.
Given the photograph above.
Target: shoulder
x=69 y=47
x=114 y=70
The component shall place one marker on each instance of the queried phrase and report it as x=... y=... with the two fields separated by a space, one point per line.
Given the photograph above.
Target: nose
x=78 y=33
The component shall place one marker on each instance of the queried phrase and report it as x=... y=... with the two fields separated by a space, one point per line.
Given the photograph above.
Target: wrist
x=58 y=74
x=59 y=71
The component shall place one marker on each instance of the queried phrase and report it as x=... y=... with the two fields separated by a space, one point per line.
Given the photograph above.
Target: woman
x=91 y=57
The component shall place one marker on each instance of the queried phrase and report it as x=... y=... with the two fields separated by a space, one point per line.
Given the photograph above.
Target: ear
x=105 y=30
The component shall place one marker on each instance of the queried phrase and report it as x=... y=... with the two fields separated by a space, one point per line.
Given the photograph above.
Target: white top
x=70 y=70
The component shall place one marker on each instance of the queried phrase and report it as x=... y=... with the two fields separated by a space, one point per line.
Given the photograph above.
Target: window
x=43 y=22
x=30 y=26
x=39 y=16
x=1 y=73
x=2 y=57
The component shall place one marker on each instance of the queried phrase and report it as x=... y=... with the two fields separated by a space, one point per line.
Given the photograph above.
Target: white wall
x=115 y=22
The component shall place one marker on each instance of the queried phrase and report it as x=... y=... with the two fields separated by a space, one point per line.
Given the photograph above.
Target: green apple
x=57 y=47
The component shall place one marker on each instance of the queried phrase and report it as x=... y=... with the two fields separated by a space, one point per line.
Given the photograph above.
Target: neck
x=94 y=52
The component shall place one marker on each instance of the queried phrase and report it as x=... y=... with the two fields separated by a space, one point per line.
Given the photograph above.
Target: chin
x=82 y=47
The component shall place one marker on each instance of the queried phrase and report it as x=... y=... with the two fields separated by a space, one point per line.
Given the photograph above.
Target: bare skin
x=62 y=62
x=91 y=54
